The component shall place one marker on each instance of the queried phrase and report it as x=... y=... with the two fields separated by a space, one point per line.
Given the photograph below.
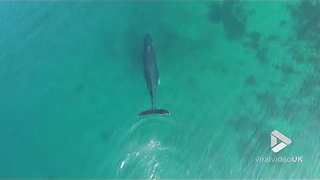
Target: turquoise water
x=72 y=85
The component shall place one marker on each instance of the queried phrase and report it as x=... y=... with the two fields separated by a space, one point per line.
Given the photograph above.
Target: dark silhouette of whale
x=151 y=74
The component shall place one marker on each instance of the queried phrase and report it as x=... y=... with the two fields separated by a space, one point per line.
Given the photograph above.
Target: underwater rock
x=307 y=25
x=215 y=12
x=252 y=40
x=251 y=80
x=79 y=88
x=309 y=85
x=232 y=15
x=283 y=23
x=262 y=55
x=272 y=38
x=285 y=69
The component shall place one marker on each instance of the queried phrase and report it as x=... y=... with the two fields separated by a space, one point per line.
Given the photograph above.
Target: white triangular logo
x=283 y=141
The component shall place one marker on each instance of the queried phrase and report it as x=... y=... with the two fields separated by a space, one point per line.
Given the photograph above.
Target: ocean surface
x=72 y=85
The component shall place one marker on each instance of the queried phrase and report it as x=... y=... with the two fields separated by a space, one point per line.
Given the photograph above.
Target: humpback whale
x=151 y=74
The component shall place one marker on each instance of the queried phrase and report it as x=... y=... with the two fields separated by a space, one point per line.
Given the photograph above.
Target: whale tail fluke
x=154 y=111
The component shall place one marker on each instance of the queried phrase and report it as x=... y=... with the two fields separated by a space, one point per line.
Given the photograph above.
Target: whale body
x=151 y=74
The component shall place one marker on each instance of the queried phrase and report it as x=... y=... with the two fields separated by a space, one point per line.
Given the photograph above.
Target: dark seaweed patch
x=79 y=88
x=306 y=39
x=272 y=38
x=309 y=85
x=268 y=101
x=232 y=15
x=314 y=110
x=283 y=23
x=285 y=69
x=315 y=59
x=105 y=136
x=262 y=55
x=251 y=80
x=215 y=12
x=307 y=25
x=297 y=55
x=252 y=40
x=314 y=105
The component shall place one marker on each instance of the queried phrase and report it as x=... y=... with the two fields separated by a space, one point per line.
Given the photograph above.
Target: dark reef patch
x=307 y=24
x=105 y=136
x=305 y=43
x=314 y=105
x=283 y=23
x=252 y=40
x=262 y=55
x=215 y=12
x=79 y=88
x=297 y=55
x=251 y=80
x=269 y=102
x=285 y=69
x=313 y=110
x=232 y=15
x=273 y=38
x=309 y=85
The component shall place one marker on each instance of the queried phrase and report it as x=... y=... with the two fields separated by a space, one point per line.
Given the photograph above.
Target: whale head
x=147 y=40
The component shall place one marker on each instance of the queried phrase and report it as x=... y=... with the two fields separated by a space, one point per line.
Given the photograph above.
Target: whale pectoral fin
x=159 y=81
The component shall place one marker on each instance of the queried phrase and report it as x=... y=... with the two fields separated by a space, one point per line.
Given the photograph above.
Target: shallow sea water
x=72 y=86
